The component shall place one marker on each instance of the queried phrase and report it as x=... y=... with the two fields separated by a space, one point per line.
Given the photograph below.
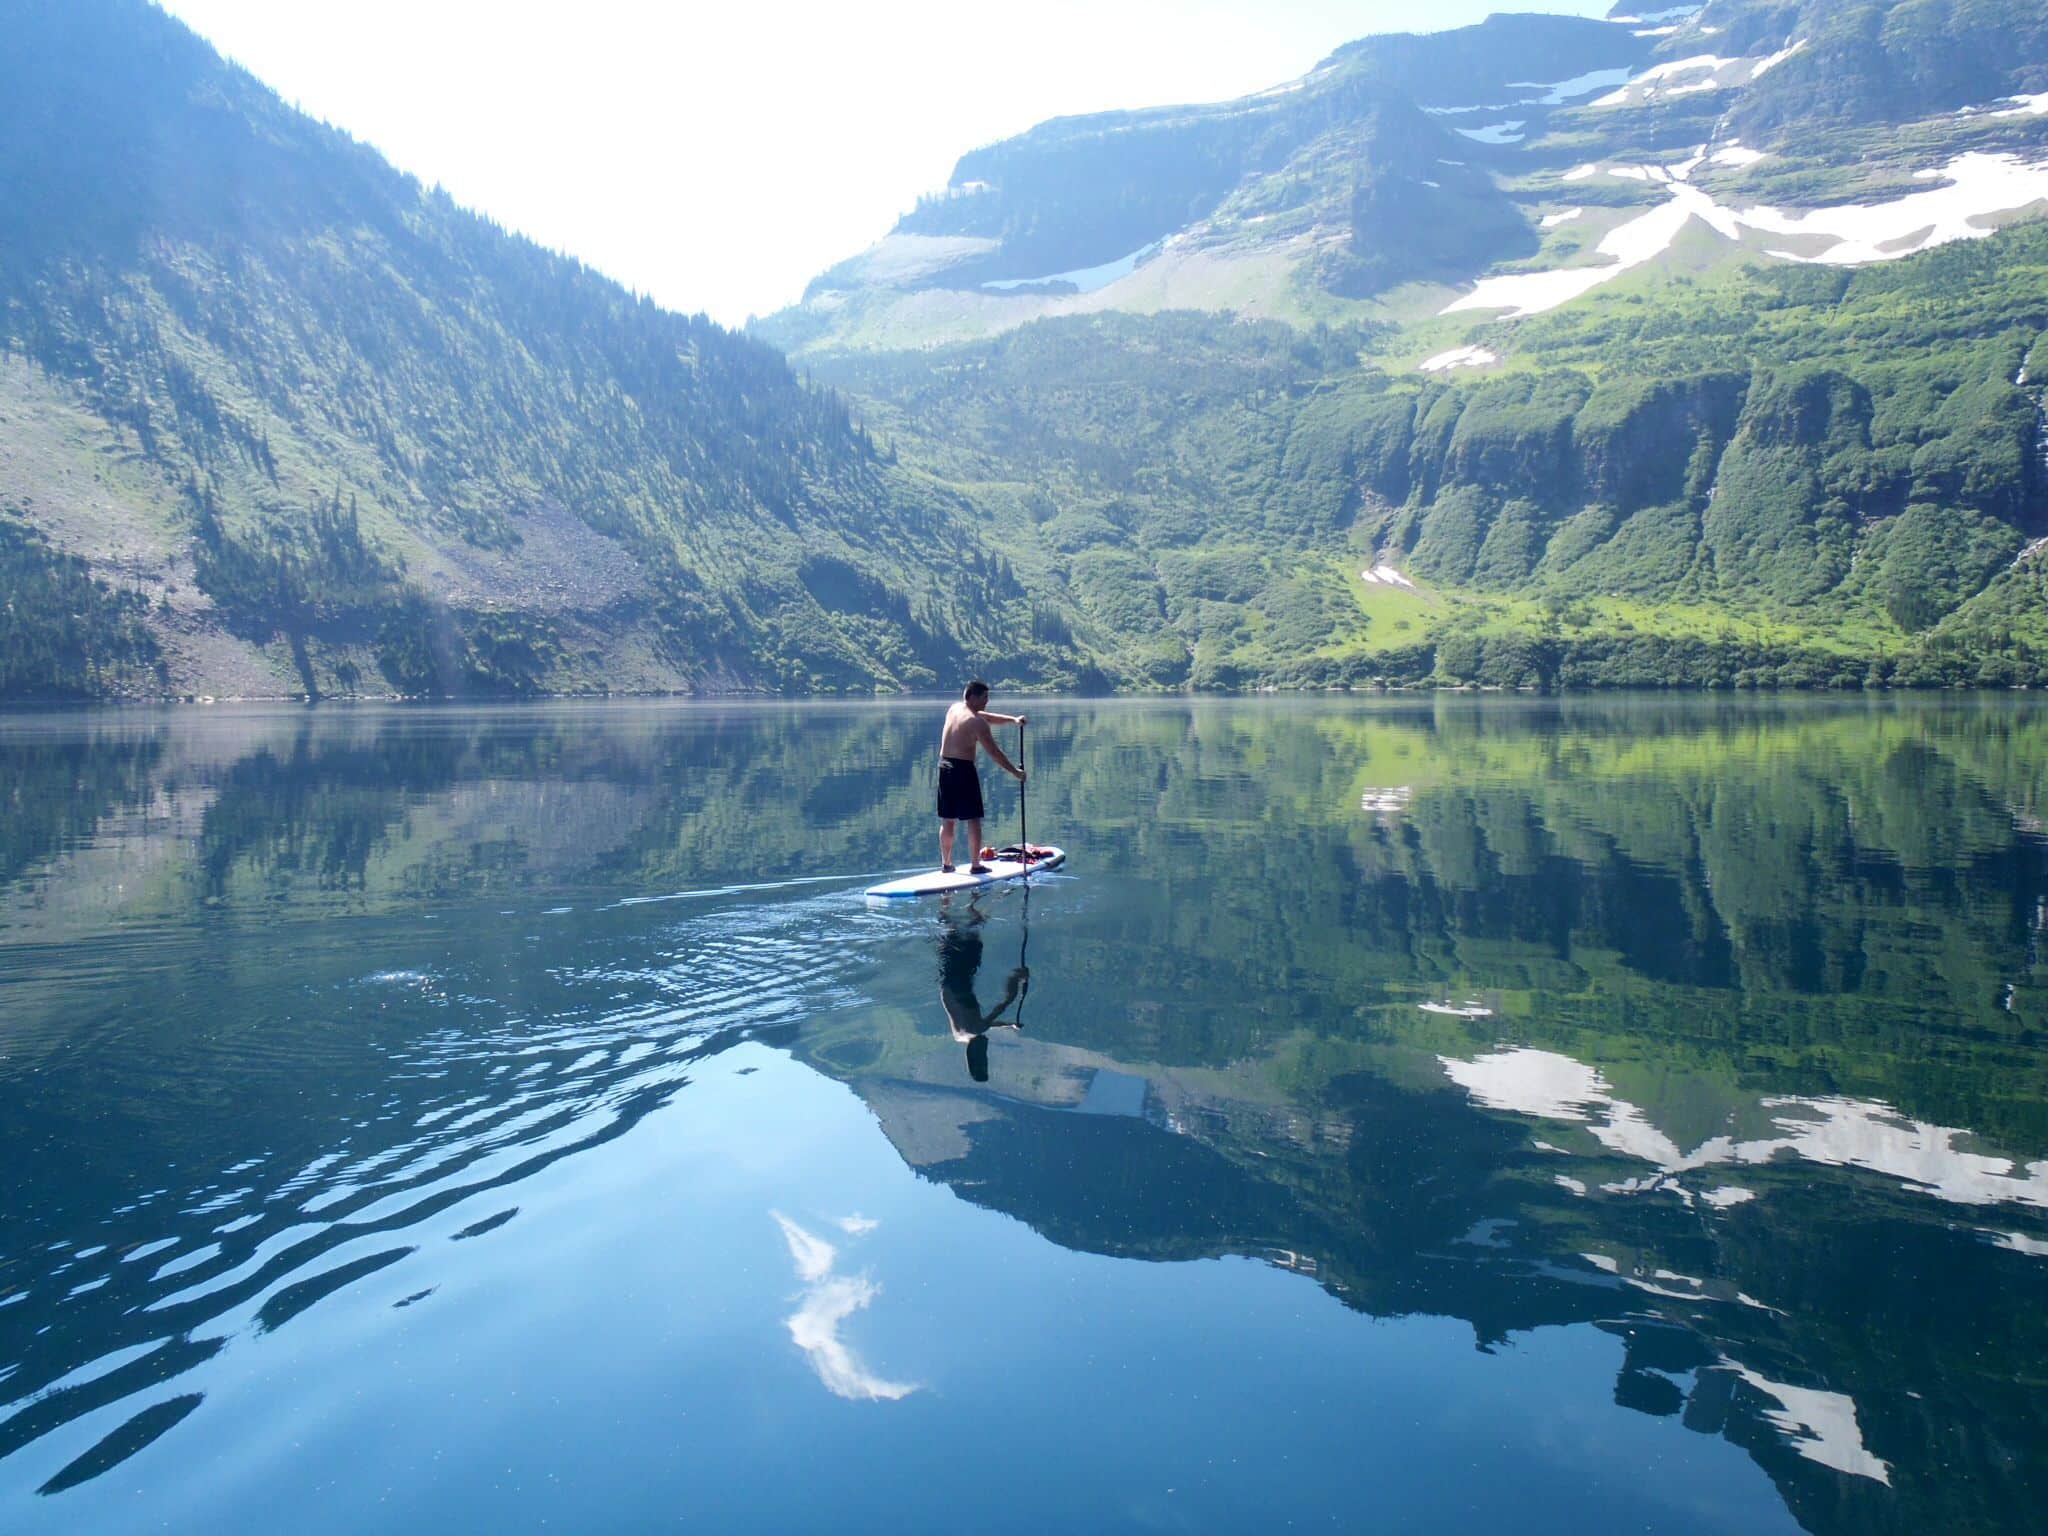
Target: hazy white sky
x=717 y=156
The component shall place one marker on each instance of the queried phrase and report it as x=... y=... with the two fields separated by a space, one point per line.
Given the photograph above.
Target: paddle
x=1023 y=812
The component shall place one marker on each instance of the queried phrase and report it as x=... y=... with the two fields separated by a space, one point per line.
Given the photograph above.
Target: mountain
x=1698 y=348
x=1402 y=170
x=276 y=419
x=1709 y=354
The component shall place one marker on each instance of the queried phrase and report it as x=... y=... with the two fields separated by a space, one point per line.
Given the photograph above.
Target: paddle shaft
x=1023 y=810
x=1024 y=837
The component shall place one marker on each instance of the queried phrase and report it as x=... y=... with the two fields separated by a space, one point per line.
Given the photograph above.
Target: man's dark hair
x=974 y=690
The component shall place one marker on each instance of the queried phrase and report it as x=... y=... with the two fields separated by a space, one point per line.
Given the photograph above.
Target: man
x=966 y=729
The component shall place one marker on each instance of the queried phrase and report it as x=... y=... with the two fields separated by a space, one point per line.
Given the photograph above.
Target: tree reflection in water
x=1756 y=1082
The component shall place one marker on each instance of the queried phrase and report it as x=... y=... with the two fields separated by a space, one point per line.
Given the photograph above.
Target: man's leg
x=945 y=844
x=974 y=847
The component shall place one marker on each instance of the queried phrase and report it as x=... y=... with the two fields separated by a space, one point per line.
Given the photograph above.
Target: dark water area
x=1495 y=1115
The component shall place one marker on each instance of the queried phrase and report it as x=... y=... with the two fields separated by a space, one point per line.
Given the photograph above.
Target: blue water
x=515 y=1119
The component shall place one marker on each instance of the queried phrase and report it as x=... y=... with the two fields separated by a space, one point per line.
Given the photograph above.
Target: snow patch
x=1700 y=72
x=1557 y=92
x=1552 y=220
x=1661 y=79
x=1581 y=173
x=1281 y=90
x=1735 y=154
x=1727 y=1195
x=1978 y=185
x=1443 y=362
x=1495 y=133
x=1765 y=66
x=2029 y=106
x=1387 y=576
x=1626 y=247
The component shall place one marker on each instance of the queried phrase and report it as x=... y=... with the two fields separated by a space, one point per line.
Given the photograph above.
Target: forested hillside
x=1779 y=477
x=1701 y=349
x=315 y=429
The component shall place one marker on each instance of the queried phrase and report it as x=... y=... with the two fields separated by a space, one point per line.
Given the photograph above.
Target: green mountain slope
x=1773 y=478
x=316 y=429
x=1650 y=429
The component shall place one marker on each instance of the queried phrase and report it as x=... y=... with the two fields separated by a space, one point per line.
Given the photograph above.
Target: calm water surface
x=1494 y=1116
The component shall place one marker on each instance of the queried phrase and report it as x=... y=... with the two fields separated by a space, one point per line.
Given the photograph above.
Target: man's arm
x=988 y=740
x=995 y=719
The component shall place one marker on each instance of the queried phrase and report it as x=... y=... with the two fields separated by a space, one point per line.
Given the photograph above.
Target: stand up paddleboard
x=935 y=882
x=1022 y=858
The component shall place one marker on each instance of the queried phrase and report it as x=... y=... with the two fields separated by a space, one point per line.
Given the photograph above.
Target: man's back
x=962 y=733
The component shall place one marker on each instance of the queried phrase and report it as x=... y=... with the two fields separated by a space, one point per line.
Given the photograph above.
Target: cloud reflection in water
x=828 y=1300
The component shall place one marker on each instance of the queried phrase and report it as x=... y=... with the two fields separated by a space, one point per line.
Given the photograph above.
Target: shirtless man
x=967 y=727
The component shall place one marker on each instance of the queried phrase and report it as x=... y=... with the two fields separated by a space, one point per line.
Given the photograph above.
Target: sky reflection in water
x=515 y=1116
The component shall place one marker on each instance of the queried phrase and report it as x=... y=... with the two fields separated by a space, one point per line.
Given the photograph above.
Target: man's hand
x=1020 y=774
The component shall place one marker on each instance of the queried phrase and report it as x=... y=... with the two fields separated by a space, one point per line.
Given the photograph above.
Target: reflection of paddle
x=1024 y=948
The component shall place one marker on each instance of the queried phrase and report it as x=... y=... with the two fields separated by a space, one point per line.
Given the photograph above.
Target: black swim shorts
x=959 y=790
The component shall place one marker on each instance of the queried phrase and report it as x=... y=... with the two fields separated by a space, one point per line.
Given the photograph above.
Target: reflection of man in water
x=959 y=962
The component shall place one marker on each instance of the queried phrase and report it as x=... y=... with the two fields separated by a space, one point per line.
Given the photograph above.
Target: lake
x=1504 y=1115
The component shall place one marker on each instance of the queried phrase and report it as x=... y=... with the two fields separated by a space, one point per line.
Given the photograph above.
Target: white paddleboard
x=936 y=882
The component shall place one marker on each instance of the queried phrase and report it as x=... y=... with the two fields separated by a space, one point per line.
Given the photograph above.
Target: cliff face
x=1756 y=485
x=1869 y=61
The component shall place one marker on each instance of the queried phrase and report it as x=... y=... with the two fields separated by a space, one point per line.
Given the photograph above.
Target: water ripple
x=501 y=1075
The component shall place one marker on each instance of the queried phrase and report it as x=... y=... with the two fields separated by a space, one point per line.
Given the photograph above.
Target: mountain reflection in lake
x=493 y=1118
